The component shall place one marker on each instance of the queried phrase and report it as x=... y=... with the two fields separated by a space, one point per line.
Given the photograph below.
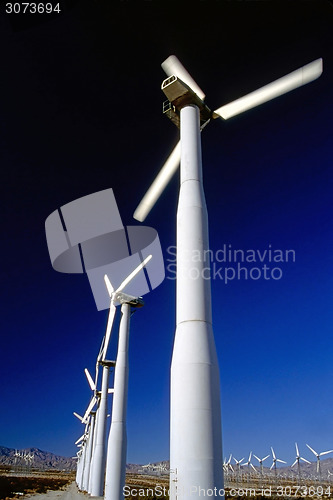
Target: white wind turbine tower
x=86 y=443
x=228 y=464
x=318 y=455
x=89 y=451
x=273 y=466
x=238 y=464
x=98 y=456
x=94 y=470
x=83 y=460
x=195 y=433
x=297 y=461
x=117 y=442
x=79 y=455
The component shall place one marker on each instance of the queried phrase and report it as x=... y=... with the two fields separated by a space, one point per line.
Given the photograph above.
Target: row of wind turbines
x=227 y=466
x=101 y=468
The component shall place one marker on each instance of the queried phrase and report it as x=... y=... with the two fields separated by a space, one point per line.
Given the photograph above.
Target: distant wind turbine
x=261 y=460
x=318 y=455
x=228 y=464
x=275 y=460
x=148 y=466
x=297 y=461
x=238 y=463
x=248 y=463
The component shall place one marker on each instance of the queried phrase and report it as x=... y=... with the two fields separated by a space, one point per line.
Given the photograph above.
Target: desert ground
x=62 y=486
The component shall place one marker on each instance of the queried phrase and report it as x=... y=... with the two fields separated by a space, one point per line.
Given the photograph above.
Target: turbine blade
x=291 y=81
x=255 y=456
x=297 y=451
x=99 y=358
x=159 y=184
x=249 y=459
x=325 y=452
x=314 y=452
x=273 y=453
x=77 y=416
x=108 y=284
x=271 y=467
x=80 y=439
x=88 y=410
x=305 y=460
x=253 y=467
x=90 y=380
x=133 y=274
x=112 y=313
x=110 y=391
x=265 y=458
x=172 y=66
x=294 y=463
x=281 y=461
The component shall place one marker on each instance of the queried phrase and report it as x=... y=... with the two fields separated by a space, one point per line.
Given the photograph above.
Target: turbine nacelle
x=124 y=298
x=179 y=95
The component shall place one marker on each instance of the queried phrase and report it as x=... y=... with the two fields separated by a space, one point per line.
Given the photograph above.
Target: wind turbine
x=99 y=447
x=82 y=456
x=98 y=461
x=93 y=473
x=318 y=455
x=228 y=465
x=298 y=458
x=248 y=463
x=195 y=433
x=117 y=442
x=84 y=463
x=261 y=460
x=148 y=466
x=89 y=451
x=275 y=460
x=238 y=463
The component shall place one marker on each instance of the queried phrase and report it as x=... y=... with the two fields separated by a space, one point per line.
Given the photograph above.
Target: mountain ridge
x=34 y=458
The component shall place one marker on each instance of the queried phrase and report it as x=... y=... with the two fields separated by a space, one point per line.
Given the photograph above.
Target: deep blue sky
x=81 y=111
